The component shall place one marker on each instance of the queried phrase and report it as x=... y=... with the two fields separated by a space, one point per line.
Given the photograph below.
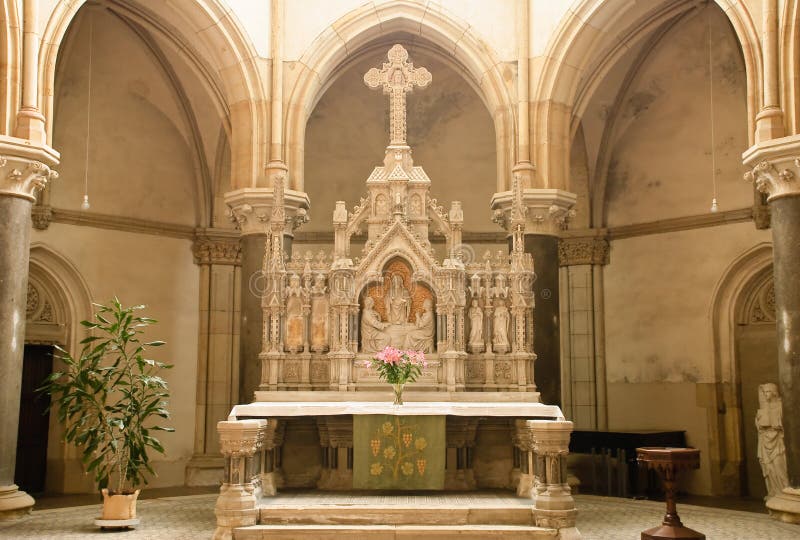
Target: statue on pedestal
x=294 y=314
x=319 y=314
x=501 y=318
x=475 y=327
x=771 y=450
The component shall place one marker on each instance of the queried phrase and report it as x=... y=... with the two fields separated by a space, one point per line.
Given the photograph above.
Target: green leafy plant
x=109 y=397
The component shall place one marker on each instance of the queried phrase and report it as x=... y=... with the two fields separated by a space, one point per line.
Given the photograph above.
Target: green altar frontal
x=398 y=452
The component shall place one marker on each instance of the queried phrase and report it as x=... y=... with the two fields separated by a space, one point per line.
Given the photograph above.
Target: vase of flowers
x=398 y=367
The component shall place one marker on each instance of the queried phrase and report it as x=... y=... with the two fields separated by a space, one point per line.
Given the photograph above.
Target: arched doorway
x=757 y=361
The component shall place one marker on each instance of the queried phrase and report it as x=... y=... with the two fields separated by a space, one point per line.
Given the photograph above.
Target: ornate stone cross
x=397 y=77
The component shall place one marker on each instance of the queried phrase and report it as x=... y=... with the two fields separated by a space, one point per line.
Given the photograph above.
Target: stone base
x=116 y=523
x=672 y=532
x=785 y=506
x=205 y=471
x=14 y=504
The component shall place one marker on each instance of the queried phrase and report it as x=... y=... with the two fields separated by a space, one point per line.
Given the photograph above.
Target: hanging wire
x=85 y=203
x=714 y=206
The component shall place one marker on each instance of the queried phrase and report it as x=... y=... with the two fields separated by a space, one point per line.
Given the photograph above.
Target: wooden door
x=34 y=422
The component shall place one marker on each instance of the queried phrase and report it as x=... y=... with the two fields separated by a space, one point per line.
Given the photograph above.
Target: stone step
x=362 y=514
x=392 y=532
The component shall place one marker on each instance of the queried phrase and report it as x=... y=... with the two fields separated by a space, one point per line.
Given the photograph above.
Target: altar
x=322 y=420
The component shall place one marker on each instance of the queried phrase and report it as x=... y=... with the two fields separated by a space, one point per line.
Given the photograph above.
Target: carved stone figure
x=420 y=338
x=771 y=450
x=294 y=314
x=475 y=328
x=373 y=337
x=319 y=314
x=501 y=318
x=398 y=302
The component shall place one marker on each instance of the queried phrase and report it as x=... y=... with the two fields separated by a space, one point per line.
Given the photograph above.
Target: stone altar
x=326 y=313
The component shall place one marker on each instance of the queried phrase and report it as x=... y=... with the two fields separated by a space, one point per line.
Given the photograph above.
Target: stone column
x=581 y=255
x=553 y=505
x=240 y=441
x=24 y=170
x=218 y=254
x=251 y=209
x=548 y=211
x=776 y=172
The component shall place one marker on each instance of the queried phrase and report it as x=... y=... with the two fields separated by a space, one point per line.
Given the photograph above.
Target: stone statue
x=398 y=302
x=294 y=314
x=373 y=337
x=476 y=328
x=501 y=318
x=319 y=314
x=421 y=337
x=771 y=451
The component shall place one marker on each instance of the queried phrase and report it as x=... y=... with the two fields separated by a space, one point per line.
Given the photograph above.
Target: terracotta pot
x=119 y=507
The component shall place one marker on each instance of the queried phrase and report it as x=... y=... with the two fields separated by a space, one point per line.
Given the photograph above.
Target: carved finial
x=397 y=77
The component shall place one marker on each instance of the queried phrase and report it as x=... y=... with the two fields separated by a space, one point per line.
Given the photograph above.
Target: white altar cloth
x=273 y=409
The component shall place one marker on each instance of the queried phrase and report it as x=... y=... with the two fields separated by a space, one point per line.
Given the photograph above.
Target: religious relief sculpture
x=421 y=337
x=771 y=450
x=398 y=302
x=373 y=337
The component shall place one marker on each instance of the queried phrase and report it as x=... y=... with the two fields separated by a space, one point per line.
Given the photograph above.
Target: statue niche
x=397 y=311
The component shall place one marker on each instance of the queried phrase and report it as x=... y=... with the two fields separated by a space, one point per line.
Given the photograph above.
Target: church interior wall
x=659 y=347
x=160 y=273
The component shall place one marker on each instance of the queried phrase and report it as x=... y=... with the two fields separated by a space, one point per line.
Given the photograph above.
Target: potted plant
x=109 y=400
x=398 y=367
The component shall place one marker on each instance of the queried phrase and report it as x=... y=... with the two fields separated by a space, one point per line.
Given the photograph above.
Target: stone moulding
x=573 y=251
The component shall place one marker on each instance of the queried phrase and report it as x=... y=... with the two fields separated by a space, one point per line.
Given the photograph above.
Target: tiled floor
x=600 y=518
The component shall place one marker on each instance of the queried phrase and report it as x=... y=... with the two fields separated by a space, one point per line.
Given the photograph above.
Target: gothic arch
x=60 y=284
x=210 y=37
x=789 y=64
x=742 y=277
x=320 y=64
x=10 y=60
x=587 y=44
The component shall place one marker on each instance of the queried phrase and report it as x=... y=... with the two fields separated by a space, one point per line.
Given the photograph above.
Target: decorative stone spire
x=397 y=77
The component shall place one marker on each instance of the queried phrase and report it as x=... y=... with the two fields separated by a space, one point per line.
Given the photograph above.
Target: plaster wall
x=661 y=163
x=140 y=161
x=658 y=331
x=449 y=130
x=160 y=273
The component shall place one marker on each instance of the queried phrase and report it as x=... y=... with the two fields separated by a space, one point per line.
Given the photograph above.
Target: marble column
x=251 y=209
x=776 y=171
x=24 y=170
x=548 y=211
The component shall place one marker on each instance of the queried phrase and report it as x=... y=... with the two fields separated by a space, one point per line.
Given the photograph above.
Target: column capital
x=551 y=437
x=217 y=246
x=238 y=438
x=774 y=166
x=251 y=209
x=25 y=168
x=584 y=247
x=549 y=210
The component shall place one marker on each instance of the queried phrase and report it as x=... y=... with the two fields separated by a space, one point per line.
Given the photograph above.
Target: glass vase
x=398 y=393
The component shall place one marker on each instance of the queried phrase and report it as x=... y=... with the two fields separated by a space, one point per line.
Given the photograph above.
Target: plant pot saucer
x=116 y=523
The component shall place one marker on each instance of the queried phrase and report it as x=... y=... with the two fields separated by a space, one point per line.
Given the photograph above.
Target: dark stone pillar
x=253 y=250
x=15 y=225
x=546 y=341
x=786 y=251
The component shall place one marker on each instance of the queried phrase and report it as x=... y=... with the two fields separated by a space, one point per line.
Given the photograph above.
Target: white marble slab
x=426 y=408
